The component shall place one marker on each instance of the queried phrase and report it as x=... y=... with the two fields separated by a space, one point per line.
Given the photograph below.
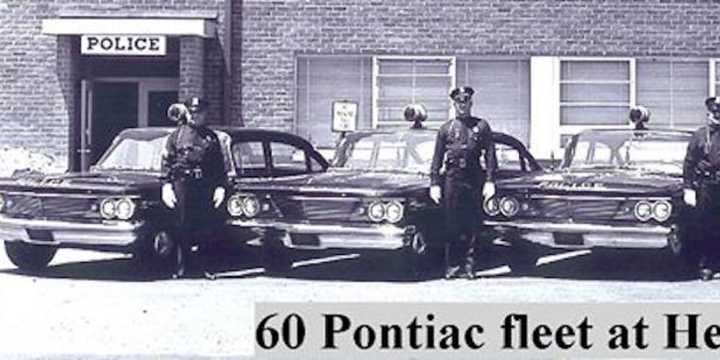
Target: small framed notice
x=344 y=116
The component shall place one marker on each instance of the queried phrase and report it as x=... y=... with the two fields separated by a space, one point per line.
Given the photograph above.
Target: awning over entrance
x=181 y=26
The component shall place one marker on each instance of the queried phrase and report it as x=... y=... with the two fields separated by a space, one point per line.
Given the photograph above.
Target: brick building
x=542 y=69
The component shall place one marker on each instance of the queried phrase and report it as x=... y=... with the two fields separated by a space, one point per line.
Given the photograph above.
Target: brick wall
x=37 y=81
x=274 y=31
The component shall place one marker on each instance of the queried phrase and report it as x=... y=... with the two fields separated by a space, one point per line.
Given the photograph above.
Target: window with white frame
x=402 y=80
x=715 y=77
x=674 y=90
x=595 y=92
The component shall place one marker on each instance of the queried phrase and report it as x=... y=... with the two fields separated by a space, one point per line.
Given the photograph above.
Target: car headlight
x=124 y=209
x=509 y=206
x=2 y=203
x=235 y=205
x=661 y=210
x=393 y=212
x=251 y=206
x=376 y=211
x=108 y=208
x=491 y=206
x=643 y=210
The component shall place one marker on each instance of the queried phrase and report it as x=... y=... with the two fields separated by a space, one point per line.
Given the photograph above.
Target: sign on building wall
x=123 y=45
x=345 y=116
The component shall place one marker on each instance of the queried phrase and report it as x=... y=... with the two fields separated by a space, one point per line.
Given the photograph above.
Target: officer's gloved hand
x=218 y=196
x=690 y=197
x=488 y=190
x=168 y=196
x=435 y=193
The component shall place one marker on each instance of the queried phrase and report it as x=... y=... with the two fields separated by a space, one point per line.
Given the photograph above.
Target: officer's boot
x=469 y=265
x=179 y=262
x=705 y=272
x=451 y=268
x=205 y=256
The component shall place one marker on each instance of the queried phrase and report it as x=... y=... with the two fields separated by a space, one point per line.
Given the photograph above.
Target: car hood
x=96 y=182
x=620 y=182
x=357 y=183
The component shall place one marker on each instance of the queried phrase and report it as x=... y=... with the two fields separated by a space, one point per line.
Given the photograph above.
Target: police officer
x=701 y=178
x=195 y=181
x=461 y=142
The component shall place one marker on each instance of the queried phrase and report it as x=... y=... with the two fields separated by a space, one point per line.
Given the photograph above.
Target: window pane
x=423 y=81
x=595 y=93
x=288 y=157
x=508 y=158
x=593 y=115
x=502 y=93
x=322 y=80
x=673 y=91
x=248 y=156
x=595 y=70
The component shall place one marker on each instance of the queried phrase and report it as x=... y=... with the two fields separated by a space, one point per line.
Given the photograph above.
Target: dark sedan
x=615 y=189
x=116 y=205
x=373 y=197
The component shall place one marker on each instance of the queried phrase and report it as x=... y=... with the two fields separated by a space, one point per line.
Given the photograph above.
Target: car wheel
x=684 y=259
x=522 y=257
x=420 y=257
x=155 y=256
x=275 y=256
x=29 y=257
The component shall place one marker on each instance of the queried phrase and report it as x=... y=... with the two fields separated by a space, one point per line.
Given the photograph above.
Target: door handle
x=84 y=151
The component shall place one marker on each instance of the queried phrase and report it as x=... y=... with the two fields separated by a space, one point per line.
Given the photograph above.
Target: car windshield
x=651 y=151
x=141 y=153
x=406 y=151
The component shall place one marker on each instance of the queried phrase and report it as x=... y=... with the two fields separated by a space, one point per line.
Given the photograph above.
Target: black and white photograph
x=329 y=179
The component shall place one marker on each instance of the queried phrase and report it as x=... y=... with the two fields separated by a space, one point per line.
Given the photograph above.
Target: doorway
x=110 y=105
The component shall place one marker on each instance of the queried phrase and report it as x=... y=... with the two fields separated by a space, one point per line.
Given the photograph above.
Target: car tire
x=522 y=257
x=29 y=257
x=275 y=257
x=683 y=257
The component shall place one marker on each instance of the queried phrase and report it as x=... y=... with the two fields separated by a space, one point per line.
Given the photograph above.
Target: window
x=399 y=81
x=287 y=158
x=508 y=158
x=502 y=93
x=249 y=158
x=324 y=79
x=595 y=92
x=715 y=77
x=673 y=90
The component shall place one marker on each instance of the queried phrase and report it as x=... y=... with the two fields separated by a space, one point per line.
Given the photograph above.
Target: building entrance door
x=110 y=105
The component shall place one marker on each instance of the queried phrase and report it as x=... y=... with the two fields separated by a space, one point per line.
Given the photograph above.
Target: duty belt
x=195 y=173
x=709 y=176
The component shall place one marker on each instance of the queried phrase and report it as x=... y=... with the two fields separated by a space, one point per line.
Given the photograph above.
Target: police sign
x=124 y=45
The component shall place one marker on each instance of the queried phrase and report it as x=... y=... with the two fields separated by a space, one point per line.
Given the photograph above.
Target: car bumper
x=385 y=237
x=589 y=235
x=115 y=233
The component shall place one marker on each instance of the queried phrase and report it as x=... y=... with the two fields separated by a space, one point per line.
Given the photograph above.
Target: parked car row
x=614 y=188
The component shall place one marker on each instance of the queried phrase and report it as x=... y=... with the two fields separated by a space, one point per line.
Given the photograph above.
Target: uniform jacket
x=703 y=154
x=461 y=143
x=192 y=147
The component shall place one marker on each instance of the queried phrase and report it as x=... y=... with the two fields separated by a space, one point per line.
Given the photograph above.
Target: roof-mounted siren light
x=416 y=114
x=639 y=116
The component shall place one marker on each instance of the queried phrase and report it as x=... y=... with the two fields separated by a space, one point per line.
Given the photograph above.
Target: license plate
x=568 y=239
x=40 y=235
x=305 y=239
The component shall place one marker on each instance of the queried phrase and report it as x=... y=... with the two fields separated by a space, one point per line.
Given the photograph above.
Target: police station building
x=74 y=73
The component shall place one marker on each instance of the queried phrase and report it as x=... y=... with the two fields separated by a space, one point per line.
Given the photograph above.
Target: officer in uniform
x=195 y=181
x=461 y=142
x=701 y=178
x=416 y=114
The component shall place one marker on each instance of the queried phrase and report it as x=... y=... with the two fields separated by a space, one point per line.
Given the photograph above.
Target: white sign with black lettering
x=123 y=45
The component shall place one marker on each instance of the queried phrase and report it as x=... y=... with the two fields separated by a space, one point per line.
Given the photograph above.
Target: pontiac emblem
x=561 y=185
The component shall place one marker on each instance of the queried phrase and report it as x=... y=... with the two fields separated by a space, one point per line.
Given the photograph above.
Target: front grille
x=306 y=208
x=50 y=207
x=585 y=209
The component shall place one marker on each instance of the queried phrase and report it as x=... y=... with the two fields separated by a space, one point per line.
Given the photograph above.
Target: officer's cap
x=712 y=103
x=195 y=104
x=462 y=94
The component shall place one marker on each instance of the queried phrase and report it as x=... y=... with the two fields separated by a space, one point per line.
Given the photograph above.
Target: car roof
x=233 y=131
x=668 y=131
